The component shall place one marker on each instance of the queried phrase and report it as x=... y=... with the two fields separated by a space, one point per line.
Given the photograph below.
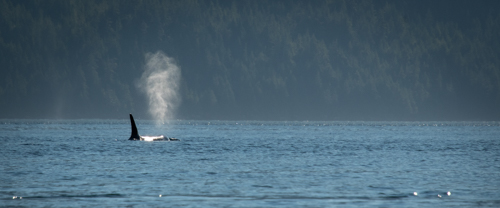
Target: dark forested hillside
x=264 y=60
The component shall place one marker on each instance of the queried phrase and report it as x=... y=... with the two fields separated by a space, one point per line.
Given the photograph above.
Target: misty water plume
x=160 y=81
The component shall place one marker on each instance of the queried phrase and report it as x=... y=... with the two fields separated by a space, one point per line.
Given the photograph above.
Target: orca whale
x=135 y=134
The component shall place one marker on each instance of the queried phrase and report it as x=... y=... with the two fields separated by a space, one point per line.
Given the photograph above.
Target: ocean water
x=87 y=163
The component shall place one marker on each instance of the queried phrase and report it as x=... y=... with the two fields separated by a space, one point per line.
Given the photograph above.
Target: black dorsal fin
x=135 y=134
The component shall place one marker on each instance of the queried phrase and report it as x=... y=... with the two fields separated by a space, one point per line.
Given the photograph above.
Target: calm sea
x=87 y=163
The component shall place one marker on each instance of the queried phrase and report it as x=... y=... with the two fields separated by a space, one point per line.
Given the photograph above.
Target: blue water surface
x=87 y=163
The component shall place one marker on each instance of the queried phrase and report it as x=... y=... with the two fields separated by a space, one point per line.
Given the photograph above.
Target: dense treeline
x=280 y=60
